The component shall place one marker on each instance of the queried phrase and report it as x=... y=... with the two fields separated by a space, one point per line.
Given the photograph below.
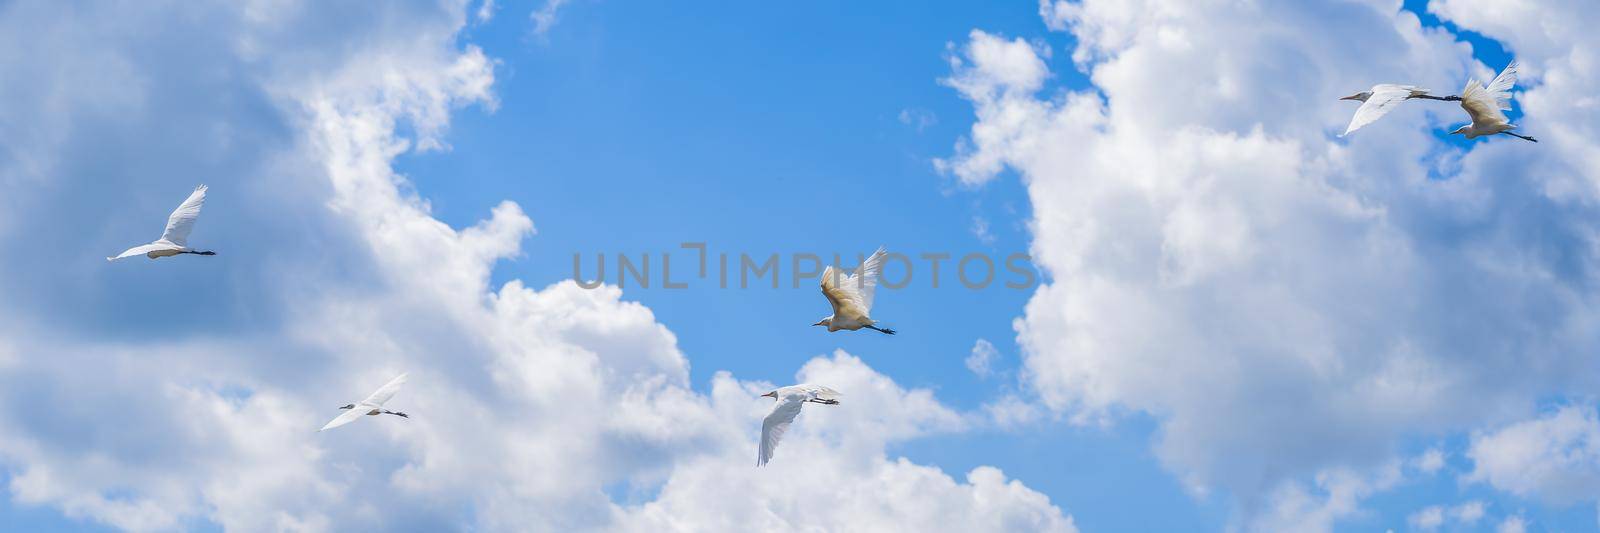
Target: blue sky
x=738 y=125
x=744 y=173
x=1254 y=325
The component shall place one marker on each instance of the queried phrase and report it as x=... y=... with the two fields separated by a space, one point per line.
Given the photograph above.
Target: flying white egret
x=790 y=399
x=851 y=296
x=372 y=406
x=175 y=240
x=1487 y=106
x=1382 y=99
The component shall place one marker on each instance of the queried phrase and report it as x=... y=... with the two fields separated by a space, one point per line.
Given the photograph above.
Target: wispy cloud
x=485 y=11
x=980 y=229
x=917 y=118
x=544 y=18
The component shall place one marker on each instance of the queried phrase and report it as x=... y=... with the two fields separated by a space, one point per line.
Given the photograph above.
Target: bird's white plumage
x=1384 y=98
x=175 y=239
x=1500 y=88
x=146 y=249
x=384 y=393
x=350 y=415
x=790 y=399
x=776 y=424
x=372 y=404
x=181 y=222
x=816 y=392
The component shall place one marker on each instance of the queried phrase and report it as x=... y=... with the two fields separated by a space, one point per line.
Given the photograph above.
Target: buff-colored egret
x=851 y=296
x=1487 y=106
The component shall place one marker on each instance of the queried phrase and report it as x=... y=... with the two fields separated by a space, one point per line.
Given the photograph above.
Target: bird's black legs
x=883 y=331
x=207 y=252
x=397 y=413
x=1439 y=98
x=823 y=401
x=1523 y=137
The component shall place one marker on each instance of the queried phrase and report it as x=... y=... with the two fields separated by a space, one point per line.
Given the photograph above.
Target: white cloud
x=544 y=18
x=485 y=11
x=1333 y=494
x=821 y=496
x=820 y=486
x=981 y=360
x=1429 y=518
x=980 y=229
x=1012 y=412
x=1469 y=513
x=527 y=404
x=917 y=118
x=1285 y=303
x=1433 y=517
x=991 y=68
x=1555 y=457
x=1513 y=524
x=1430 y=461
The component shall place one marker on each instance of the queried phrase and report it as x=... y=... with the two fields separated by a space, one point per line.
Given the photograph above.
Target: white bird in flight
x=175 y=240
x=1382 y=99
x=1487 y=106
x=790 y=399
x=372 y=406
x=851 y=296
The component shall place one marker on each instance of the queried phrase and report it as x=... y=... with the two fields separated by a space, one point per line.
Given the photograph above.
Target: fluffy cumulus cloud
x=1555 y=457
x=166 y=395
x=1290 y=305
x=848 y=487
x=981 y=360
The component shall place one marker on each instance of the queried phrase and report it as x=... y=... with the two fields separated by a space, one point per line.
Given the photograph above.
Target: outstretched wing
x=852 y=294
x=348 y=416
x=1383 y=100
x=140 y=250
x=385 y=392
x=866 y=278
x=776 y=424
x=1500 y=88
x=823 y=393
x=1481 y=106
x=182 y=220
x=832 y=289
